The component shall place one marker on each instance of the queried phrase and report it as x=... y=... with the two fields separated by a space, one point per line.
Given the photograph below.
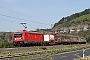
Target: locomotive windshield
x=19 y=34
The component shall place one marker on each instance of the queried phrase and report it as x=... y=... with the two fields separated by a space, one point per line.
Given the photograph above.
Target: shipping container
x=48 y=38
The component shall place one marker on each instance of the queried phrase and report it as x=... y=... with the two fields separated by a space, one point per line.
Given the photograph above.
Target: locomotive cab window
x=18 y=34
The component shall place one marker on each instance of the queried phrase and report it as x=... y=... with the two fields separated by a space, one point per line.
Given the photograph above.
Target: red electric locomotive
x=24 y=37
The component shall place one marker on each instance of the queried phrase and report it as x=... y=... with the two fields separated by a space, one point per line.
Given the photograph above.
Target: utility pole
x=24 y=25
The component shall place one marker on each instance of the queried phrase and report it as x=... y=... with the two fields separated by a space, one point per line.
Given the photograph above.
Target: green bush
x=5 y=44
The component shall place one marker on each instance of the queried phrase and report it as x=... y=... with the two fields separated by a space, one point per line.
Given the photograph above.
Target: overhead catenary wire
x=9 y=20
x=16 y=22
x=22 y=19
x=21 y=13
x=41 y=25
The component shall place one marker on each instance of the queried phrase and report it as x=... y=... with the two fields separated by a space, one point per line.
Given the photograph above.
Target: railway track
x=17 y=52
x=38 y=47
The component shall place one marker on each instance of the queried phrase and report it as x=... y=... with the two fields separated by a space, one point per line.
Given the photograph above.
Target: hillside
x=73 y=18
x=74 y=22
x=84 y=19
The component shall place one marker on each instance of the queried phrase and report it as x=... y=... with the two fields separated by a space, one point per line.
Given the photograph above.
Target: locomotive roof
x=35 y=32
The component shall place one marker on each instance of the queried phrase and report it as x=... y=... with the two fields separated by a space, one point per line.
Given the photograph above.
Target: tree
x=38 y=30
x=8 y=36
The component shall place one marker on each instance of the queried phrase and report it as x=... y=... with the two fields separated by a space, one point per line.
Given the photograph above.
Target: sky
x=37 y=13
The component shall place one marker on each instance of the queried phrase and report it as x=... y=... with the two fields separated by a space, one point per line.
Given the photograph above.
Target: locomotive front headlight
x=14 y=38
x=20 y=38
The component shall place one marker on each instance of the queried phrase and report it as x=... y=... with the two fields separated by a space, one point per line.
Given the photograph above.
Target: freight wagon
x=68 y=39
